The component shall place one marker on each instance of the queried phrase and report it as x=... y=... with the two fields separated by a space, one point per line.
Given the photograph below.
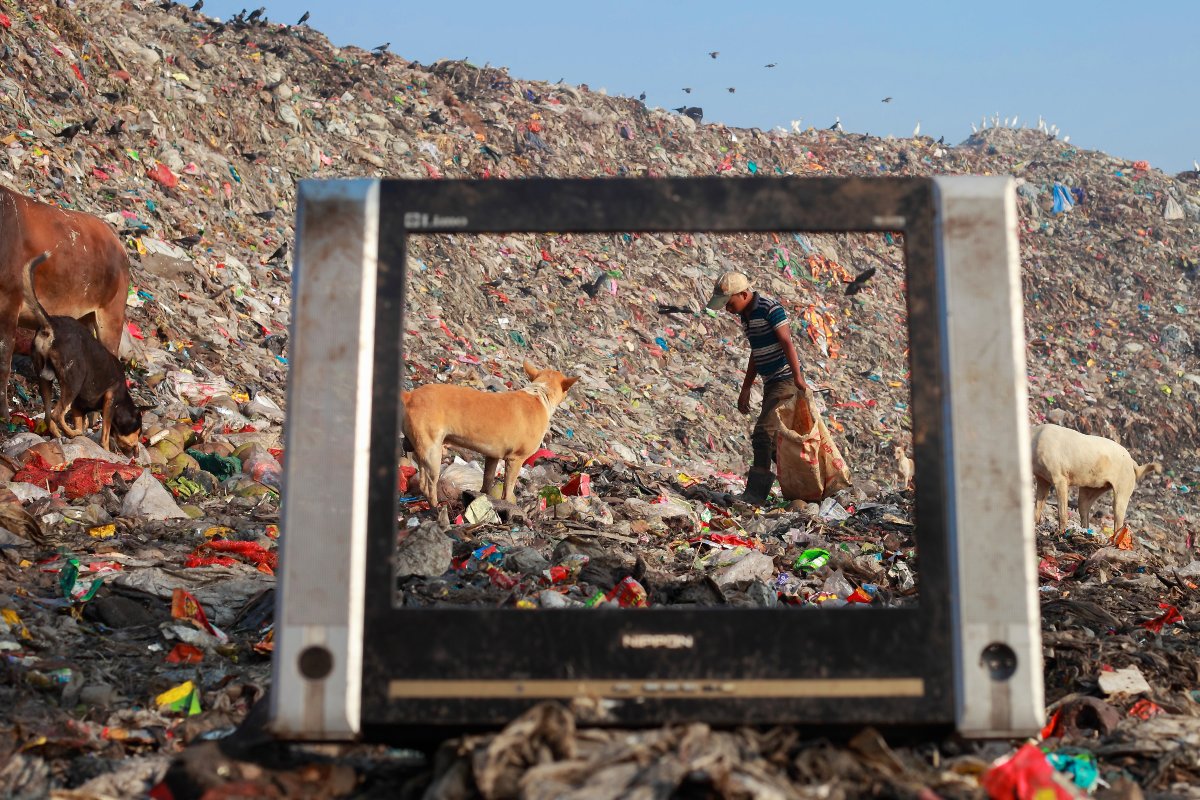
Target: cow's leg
x=109 y=322
x=8 y=336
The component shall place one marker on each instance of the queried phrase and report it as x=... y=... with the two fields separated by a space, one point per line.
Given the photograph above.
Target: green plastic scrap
x=1080 y=767
x=221 y=466
x=812 y=559
x=68 y=577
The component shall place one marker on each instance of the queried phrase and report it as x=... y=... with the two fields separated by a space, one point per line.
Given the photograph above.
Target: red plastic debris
x=183 y=653
x=628 y=594
x=265 y=560
x=580 y=485
x=186 y=607
x=406 y=474
x=859 y=595
x=1023 y=776
x=540 y=454
x=1145 y=709
x=1169 y=616
x=1052 y=728
x=163 y=174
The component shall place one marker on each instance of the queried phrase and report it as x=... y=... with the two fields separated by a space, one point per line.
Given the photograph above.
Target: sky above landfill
x=1111 y=76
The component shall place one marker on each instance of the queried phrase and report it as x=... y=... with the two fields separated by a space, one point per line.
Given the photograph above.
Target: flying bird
x=714 y=53
x=772 y=64
x=687 y=90
x=732 y=89
x=886 y=100
x=860 y=281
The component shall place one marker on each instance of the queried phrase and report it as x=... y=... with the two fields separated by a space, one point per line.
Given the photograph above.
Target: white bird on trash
x=1196 y=165
x=917 y=130
x=973 y=128
x=796 y=127
x=1066 y=139
x=837 y=124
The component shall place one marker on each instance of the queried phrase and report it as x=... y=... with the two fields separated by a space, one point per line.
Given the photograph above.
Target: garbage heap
x=141 y=620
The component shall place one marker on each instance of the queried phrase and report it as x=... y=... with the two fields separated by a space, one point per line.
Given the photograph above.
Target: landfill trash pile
x=140 y=631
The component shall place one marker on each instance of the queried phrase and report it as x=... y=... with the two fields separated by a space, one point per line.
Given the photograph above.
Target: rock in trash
x=525 y=560
x=425 y=552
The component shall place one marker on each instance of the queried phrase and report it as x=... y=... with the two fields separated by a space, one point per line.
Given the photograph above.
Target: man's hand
x=801 y=386
x=744 y=401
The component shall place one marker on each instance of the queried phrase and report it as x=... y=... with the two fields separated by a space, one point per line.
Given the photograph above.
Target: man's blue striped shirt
x=761 y=319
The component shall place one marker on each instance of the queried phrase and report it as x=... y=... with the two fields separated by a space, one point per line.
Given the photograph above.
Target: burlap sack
x=808 y=462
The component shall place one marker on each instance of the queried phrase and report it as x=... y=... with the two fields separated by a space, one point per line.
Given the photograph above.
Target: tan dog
x=904 y=467
x=1063 y=458
x=501 y=426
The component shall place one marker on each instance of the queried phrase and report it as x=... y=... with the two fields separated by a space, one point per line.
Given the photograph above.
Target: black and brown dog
x=90 y=378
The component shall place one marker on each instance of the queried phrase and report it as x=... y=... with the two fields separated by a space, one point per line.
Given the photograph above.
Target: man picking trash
x=773 y=356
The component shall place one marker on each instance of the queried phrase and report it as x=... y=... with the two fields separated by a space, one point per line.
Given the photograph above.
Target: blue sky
x=1114 y=76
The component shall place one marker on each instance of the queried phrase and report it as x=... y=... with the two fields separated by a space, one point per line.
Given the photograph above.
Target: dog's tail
x=1144 y=468
x=30 y=295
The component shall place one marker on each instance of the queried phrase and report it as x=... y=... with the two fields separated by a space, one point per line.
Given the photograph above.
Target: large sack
x=809 y=464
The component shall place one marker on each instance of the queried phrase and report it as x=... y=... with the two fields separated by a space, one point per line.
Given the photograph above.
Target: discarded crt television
x=349 y=664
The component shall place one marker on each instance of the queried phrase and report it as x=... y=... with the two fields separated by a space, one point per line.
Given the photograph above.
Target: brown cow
x=86 y=276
